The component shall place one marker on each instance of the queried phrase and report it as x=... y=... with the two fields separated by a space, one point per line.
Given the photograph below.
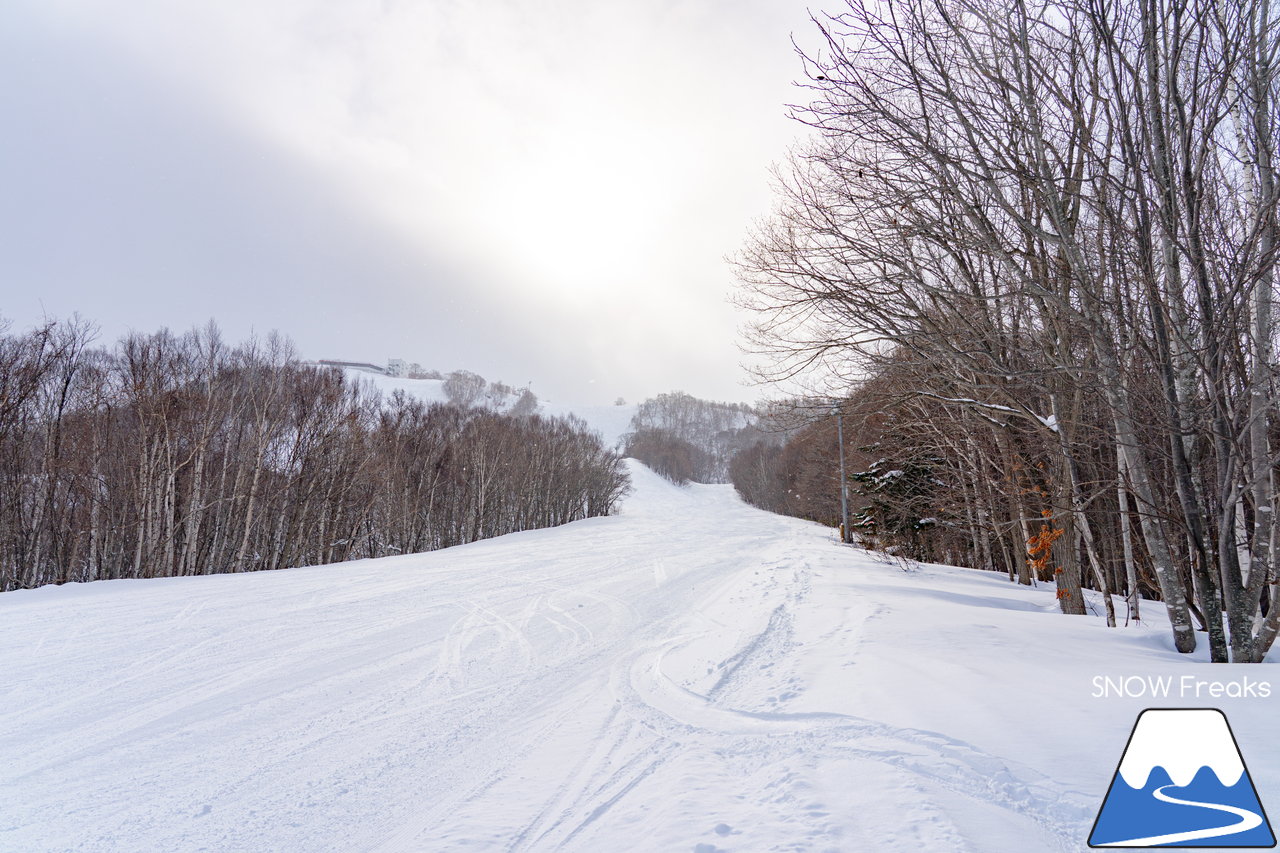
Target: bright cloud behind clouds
x=542 y=191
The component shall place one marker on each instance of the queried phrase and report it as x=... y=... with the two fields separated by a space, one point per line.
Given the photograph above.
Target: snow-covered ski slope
x=690 y=675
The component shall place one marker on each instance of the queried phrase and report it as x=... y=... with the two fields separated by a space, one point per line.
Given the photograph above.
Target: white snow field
x=690 y=675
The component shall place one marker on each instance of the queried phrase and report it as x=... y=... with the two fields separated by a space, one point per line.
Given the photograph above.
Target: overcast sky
x=540 y=192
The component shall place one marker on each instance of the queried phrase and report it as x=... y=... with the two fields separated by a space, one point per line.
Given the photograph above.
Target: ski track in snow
x=693 y=674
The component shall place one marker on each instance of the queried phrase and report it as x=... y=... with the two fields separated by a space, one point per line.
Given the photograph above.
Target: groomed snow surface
x=690 y=675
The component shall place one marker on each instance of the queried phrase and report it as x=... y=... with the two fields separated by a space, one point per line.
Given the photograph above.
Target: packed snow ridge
x=691 y=674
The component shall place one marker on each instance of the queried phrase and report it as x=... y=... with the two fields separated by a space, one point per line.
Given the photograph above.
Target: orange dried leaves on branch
x=1040 y=548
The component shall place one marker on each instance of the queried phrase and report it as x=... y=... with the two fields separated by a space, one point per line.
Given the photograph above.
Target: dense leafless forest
x=1036 y=242
x=178 y=455
x=686 y=439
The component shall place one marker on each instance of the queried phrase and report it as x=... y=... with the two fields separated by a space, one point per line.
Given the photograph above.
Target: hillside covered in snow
x=690 y=674
x=684 y=438
x=611 y=422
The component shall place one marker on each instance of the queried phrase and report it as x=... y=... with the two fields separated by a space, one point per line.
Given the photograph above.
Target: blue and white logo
x=1182 y=783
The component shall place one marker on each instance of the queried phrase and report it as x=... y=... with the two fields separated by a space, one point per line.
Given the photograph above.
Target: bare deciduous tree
x=1057 y=219
x=178 y=455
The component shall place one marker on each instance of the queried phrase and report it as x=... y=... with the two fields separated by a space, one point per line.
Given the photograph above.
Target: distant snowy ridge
x=494 y=396
x=426 y=390
x=611 y=422
x=1182 y=742
x=716 y=429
